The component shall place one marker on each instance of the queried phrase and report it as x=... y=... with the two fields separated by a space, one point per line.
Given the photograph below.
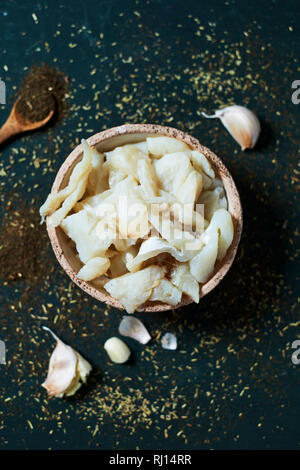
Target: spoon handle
x=8 y=130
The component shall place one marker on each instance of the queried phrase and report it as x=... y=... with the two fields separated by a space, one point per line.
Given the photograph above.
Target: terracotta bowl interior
x=64 y=248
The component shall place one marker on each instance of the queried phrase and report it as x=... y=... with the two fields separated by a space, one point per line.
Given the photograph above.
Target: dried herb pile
x=42 y=90
x=23 y=241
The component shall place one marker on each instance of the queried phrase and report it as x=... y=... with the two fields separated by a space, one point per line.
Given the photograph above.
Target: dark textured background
x=231 y=383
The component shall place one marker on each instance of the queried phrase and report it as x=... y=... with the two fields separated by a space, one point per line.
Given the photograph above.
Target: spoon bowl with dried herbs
x=17 y=123
x=40 y=97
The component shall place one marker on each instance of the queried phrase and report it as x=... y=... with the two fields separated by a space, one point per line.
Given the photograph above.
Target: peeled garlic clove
x=241 y=123
x=134 y=328
x=117 y=350
x=169 y=341
x=67 y=370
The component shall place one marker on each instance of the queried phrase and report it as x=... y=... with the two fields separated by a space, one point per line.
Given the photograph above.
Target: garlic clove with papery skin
x=67 y=370
x=133 y=328
x=241 y=123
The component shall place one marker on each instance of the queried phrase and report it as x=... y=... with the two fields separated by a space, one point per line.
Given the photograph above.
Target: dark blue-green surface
x=231 y=384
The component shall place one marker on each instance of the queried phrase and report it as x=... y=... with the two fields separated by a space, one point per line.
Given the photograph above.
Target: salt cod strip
x=71 y=193
x=133 y=289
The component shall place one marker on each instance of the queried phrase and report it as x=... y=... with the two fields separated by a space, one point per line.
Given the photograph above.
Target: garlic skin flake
x=241 y=123
x=134 y=328
x=67 y=370
x=169 y=341
x=117 y=350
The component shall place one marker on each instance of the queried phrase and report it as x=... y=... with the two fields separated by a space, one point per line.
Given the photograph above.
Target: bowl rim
x=221 y=268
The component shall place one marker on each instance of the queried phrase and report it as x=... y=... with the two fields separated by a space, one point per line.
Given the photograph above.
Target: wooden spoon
x=17 y=124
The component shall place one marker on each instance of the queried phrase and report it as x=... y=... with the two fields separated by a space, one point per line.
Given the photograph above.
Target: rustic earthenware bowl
x=132 y=133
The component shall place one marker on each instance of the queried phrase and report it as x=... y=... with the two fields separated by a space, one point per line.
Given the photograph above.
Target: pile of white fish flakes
x=149 y=220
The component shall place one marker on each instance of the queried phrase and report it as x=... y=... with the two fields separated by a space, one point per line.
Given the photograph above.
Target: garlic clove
x=117 y=350
x=62 y=368
x=134 y=328
x=241 y=123
x=169 y=341
x=67 y=370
